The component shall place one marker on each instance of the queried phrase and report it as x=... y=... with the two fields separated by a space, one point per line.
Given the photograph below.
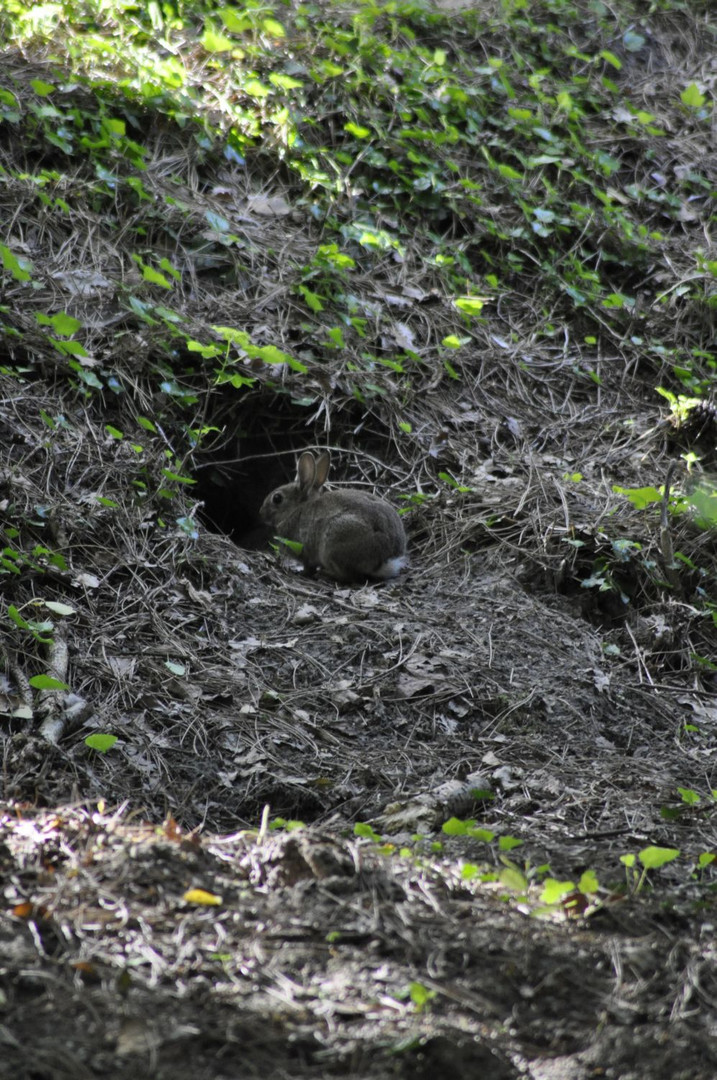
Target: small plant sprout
x=651 y=858
x=421 y=996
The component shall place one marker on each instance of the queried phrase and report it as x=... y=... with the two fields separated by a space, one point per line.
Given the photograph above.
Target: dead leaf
x=421 y=675
x=269 y=205
x=404 y=337
x=202 y=898
x=84 y=283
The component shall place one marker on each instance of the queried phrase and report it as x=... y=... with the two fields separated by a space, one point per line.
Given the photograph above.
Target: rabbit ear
x=306 y=472
x=323 y=461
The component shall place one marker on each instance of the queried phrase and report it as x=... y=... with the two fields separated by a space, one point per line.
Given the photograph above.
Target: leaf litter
x=155 y=912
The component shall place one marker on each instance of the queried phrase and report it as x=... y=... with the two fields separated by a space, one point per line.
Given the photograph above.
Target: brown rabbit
x=349 y=534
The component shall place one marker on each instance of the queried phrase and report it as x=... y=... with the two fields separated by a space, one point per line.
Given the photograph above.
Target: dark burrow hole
x=235 y=476
x=233 y=482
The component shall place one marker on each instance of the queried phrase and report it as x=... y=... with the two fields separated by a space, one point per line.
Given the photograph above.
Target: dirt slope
x=540 y=681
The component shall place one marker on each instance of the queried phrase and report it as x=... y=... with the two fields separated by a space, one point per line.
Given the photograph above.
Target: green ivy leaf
x=155 y=278
x=70 y=348
x=42 y=89
x=509 y=172
x=366 y=831
x=256 y=89
x=285 y=82
x=420 y=995
x=47 y=682
x=507 y=843
x=273 y=27
x=271 y=355
x=359 y=132
x=214 y=41
x=234 y=22
x=639 y=497
x=652 y=858
x=177 y=478
x=62 y=323
x=18 y=267
x=513 y=879
x=17 y=618
x=455 y=827
x=486 y=836
x=554 y=891
x=99 y=742
x=117 y=129
x=588 y=883
x=166 y=265
x=692 y=96
x=470 y=305
x=312 y=299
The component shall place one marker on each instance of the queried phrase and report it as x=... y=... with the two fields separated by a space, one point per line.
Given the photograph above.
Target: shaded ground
x=539 y=671
x=307 y=965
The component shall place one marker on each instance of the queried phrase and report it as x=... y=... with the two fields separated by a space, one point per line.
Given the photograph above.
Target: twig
x=666 y=546
x=50 y=702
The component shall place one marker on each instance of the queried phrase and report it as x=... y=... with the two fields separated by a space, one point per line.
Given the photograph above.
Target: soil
x=164 y=914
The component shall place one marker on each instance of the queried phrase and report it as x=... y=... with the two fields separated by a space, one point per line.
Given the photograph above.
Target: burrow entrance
x=256 y=450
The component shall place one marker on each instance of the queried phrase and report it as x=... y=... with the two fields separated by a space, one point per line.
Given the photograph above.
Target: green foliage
x=555 y=891
x=421 y=996
x=100 y=742
x=640 y=497
x=281 y=824
x=532 y=201
x=451 y=482
x=689 y=801
x=411 y=157
x=366 y=832
x=457 y=827
x=39 y=560
x=62 y=323
x=507 y=843
x=578 y=897
x=295 y=547
x=619 y=560
x=47 y=682
x=692 y=96
x=651 y=858
x=16 y=265
x=40 y=629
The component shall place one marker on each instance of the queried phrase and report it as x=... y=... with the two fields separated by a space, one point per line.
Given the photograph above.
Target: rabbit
x=350 y=535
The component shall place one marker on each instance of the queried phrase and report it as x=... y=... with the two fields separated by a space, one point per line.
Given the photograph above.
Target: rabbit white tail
x=391 y=567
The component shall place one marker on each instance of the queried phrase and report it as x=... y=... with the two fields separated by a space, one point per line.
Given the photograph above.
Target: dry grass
x=234 y=683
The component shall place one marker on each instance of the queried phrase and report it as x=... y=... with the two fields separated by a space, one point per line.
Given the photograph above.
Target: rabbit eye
x=277 y=497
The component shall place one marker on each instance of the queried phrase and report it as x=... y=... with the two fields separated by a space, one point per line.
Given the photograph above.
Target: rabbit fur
x=348 y=534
